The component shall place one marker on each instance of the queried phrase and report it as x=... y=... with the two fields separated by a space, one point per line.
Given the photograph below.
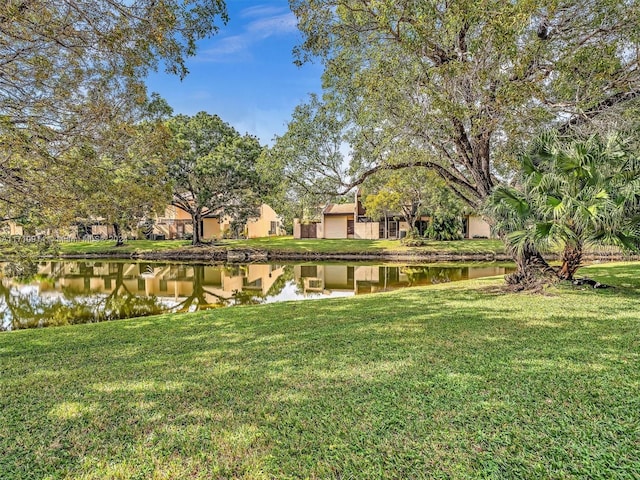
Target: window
x=308 y=271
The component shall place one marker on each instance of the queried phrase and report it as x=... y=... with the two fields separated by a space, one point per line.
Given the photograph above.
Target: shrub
x=444 y=228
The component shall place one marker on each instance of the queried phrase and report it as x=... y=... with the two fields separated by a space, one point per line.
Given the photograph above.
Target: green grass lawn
x=131 y=246
x=451 y=381
x=345 y=245
x=289 y=244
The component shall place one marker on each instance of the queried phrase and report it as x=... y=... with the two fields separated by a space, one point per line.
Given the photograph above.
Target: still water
x=70 y=292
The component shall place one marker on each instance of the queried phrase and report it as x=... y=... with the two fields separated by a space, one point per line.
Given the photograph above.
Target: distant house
x=267 y=224
x=176 y=223
x=349 y=220
x=172 y=224
x=81 y=229
x=474 y=226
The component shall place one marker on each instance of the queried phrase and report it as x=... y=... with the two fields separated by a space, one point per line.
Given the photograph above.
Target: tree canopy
x=572 y=193
x=124 y=179
x=468 y=83
x=412 y=192
x=214 y=170
x=306 y=164
x=72 y=69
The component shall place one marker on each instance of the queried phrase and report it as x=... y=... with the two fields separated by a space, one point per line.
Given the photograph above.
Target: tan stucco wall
x=367 y=274
x=336 y=277
x=210 y=228
x=367 y=230
x=478 y=227
x=335 y=226
x=296 y=228
x=174 y=213
x=259 y=227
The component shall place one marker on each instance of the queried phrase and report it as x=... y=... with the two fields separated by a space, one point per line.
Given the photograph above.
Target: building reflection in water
x=186 y=286
x=326 y=279
x=81 y=292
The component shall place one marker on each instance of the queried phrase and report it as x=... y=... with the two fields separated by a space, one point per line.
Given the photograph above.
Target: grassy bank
x=449 y=381
x=132 y=246
x=289 y=244
x=286 y=245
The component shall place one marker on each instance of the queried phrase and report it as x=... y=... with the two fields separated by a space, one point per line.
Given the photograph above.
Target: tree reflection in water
x=23 y=306
x=198 y=300
x=64 y=293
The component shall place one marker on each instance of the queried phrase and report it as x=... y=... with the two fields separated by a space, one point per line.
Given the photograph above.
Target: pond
x=71 y=292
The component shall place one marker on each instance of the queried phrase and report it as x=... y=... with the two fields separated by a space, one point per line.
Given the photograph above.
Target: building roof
x=340 y=209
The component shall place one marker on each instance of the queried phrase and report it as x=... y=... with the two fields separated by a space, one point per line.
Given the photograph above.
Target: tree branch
x=584 y=117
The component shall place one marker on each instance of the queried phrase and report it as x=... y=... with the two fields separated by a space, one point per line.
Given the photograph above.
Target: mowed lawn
x=287 y=245
x=449 y=381
x=130 y=246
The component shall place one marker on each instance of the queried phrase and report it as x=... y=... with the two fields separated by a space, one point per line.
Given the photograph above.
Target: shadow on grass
x=503 y=385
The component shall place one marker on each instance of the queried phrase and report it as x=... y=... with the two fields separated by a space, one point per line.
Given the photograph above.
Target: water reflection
x=61 y=293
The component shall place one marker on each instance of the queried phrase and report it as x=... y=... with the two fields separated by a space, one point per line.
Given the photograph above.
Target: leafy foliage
x=307 y=164
x=124 y=180
x=414 y=192
x=444 y=227
x=214 y=170
x=572 y=193
x=468 y=83
x=73 y=71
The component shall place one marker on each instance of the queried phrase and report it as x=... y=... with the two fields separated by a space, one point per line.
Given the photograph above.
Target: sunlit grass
x=363 y=246
x=130 y=246
x=450 y=381
x=291 y=245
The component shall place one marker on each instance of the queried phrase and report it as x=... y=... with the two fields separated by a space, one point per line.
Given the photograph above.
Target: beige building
x=267 y=224
x=349 y=220
x=474 y=226
x=176 y=223
x=213 y=285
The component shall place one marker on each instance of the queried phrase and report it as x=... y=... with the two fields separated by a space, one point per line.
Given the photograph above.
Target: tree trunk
x=118 y=233
x=411 y=216
x=196 y=218
x=571 y=261
x=532 y=272
x=386 y=225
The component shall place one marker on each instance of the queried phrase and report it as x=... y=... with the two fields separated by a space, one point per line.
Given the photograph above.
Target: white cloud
x=266 y=22
x=274 y=25
x=260 y=11
x=227 y=48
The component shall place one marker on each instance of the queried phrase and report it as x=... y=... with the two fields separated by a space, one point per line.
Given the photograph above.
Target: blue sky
x=245 y=73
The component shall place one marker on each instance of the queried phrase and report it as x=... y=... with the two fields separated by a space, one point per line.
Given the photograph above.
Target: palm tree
x=572 y=194
x=515 y=217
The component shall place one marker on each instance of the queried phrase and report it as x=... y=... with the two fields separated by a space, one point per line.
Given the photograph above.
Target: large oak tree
x=214 y=170
x=468 y=82
x=71 y=69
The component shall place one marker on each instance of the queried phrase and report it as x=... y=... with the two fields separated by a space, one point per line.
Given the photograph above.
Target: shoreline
x=241 y=255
